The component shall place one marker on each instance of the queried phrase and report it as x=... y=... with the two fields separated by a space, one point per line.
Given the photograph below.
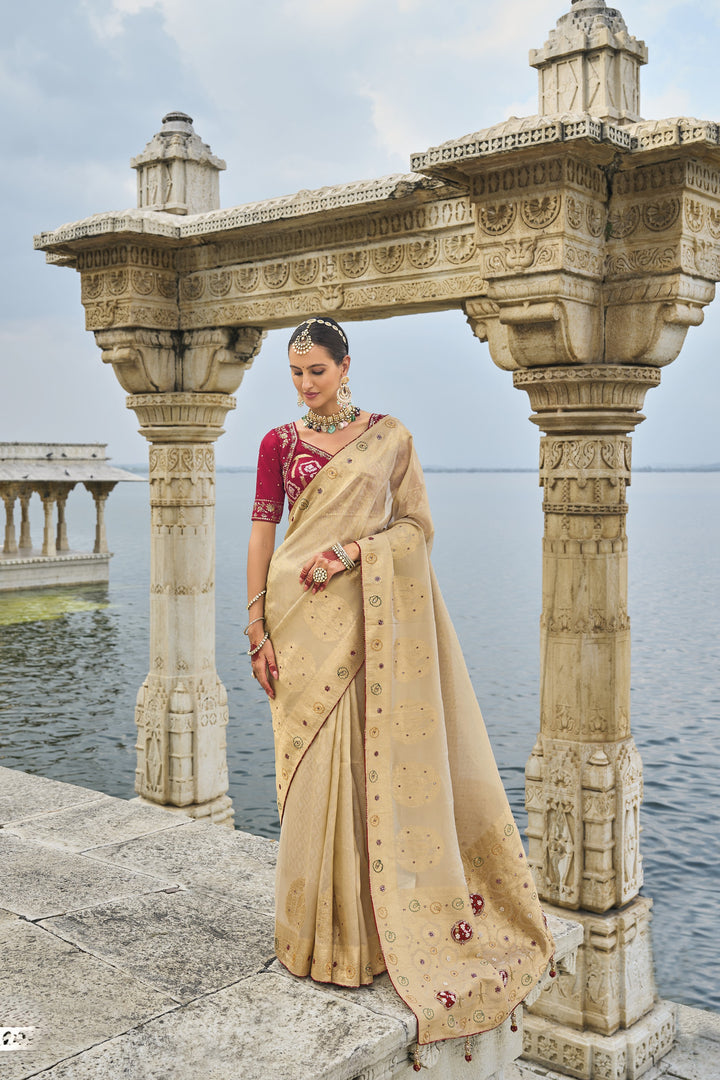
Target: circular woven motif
x=477 y=903
x=403 y=540
x=418 y=848
x=412 y=659
x=409 y=597
x=295 y=902
x=328 y=616
x=414 y=783
x=413 y=721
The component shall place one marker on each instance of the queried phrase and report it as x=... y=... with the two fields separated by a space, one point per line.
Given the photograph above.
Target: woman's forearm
x=260 y=552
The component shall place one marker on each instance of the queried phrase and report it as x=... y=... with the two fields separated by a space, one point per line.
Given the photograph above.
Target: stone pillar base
x=591 y=1056
x=219 y=811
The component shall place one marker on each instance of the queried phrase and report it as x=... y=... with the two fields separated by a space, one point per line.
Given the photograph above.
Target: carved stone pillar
x=182 y=705
x=99 y=491
x=181 y=709
x=9 y=496
x=61 y=538
x=25 y=537
x=584 y=777
x=48 y=495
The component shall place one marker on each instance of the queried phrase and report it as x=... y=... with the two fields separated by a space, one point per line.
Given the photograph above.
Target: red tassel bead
x=468 y=1057
x=417 y=1066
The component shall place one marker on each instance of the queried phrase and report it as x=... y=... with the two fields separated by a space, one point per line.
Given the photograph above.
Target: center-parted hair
x=320 y=330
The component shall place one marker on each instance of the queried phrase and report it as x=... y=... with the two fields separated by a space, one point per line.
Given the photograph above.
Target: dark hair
x=326 y=332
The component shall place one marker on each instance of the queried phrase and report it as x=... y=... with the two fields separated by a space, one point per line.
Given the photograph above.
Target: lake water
x=71 y=662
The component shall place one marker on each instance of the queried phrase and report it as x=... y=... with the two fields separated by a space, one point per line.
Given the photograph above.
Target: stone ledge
x=164 y=925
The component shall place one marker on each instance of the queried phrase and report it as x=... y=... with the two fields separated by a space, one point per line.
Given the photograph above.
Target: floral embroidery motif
x=477 y=903
x=461 y=932
x=504 y=976
x=446 y=998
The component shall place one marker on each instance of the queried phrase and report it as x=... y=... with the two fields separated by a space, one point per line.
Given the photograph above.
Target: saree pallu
x=398 y=846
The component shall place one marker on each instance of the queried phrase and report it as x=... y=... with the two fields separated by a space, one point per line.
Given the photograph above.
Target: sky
x=300 y=95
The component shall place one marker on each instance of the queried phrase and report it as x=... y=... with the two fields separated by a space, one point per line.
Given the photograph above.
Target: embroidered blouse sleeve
x=269 y=490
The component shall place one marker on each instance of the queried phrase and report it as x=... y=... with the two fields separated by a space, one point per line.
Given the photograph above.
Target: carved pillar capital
x=587 y=398
x=181 y=417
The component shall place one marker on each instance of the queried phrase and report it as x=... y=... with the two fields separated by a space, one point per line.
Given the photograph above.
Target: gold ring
x=319 y=575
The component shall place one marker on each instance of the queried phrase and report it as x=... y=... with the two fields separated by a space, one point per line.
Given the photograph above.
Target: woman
x=398 y=850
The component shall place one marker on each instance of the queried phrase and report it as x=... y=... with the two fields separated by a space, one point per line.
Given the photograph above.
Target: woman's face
x=316 y=377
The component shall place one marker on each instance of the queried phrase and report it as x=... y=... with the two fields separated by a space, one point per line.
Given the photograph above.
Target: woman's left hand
x=328 y=561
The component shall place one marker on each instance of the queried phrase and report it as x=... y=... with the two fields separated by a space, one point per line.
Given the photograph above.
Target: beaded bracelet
x=251 y=602
x=343 y=556
x=261 y=618
x=258 y=647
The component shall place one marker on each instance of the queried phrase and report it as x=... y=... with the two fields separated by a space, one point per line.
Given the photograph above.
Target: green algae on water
x=33 y=605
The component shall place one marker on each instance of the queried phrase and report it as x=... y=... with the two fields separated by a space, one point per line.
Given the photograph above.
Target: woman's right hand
x=264 y=666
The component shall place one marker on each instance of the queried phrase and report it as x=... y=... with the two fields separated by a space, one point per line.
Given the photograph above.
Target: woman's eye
x=317 y=373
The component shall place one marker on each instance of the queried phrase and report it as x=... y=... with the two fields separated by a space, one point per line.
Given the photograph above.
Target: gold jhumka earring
x=301 y=403
x=344 y=394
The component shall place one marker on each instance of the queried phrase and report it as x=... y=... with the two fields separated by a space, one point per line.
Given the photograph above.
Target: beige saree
x=398 y=849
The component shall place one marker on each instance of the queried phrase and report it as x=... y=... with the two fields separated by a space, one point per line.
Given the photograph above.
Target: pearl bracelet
x=343 y=556
x=258 y=647
x=261 y=618
x=251 y=602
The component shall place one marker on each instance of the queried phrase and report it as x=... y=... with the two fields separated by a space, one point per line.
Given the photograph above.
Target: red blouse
x=286 y=465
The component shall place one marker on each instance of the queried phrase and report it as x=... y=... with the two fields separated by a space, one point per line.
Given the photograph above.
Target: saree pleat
x=324 y=922
x=398 y=848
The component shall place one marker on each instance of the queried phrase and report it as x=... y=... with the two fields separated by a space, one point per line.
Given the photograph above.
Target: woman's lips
x=310 y=395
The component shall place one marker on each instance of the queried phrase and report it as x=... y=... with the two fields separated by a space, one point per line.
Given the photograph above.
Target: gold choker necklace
x=336 y=422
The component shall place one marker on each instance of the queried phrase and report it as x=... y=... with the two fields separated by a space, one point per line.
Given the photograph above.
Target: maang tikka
x=303 y=343
x=344 y=394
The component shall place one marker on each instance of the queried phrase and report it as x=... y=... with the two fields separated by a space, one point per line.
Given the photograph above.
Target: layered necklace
x=328 y=424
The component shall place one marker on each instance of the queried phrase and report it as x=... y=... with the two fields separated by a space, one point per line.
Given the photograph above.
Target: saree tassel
x=553 y=972
x=513 y=1021
x=416 y=1058
x=468 y=1054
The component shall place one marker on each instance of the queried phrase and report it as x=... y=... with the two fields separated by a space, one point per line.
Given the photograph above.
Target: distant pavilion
x=52 y=470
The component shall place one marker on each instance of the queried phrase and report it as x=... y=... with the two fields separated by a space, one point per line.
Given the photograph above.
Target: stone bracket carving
x=649 y=333
x=152 y=361
x=144 y=361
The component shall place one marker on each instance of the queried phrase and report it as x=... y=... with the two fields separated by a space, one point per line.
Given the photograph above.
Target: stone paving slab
x=46 y=984
x=184 y=942
x=38 y=881
x=107 y=821
x=379 y=997
x=254 y=1030
x=225 y=862
x=23 y=795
